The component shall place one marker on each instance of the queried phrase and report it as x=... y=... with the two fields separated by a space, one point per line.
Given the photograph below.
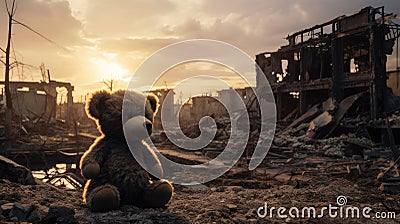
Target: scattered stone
x=133 y=214
x=14 y=219
x=60 y=214
x=6 y=208
x=199 y=187
x=334 y=152
x=21 y=212
x=231 y=206
x=252 y=220
x=36 y=216
x=14 y=172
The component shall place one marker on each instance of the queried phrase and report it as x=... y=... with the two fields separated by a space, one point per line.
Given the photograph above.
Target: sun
x=114 y=71
x=107 y=70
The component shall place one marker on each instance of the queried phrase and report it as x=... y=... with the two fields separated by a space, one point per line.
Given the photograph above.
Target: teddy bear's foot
x=157 y=194
x=103 y=198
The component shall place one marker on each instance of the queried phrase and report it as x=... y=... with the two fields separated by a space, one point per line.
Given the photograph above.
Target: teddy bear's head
x=138 y=113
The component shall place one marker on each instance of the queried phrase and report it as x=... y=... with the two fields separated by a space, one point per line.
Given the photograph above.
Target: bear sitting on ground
x=114 y=176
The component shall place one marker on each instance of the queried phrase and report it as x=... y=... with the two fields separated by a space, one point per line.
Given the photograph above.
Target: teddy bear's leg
x=157 y=194
x=101 y=198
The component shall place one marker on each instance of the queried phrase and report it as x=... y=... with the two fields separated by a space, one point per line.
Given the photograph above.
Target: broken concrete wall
x=228 y=96
x=206 y=105
x=184 y=114
x=38 y=99
x=33 y=105
x=247 y=98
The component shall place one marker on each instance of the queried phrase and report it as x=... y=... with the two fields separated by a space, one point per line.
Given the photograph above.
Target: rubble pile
x=41 y=145
x=302 y=144
x=43 y=203
x=223 y=129
x=226 y=200
x=238 y=204
x=40 y=202
x=299 y=171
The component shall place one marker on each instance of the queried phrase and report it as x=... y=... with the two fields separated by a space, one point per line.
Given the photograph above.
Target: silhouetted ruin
x=337 y=135
x=339 y=58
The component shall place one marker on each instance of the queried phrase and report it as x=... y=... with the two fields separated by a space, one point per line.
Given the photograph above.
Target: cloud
x=143 y=45
x=126 y=32
x=124 y=17
x=262 y=25
x=53 y=19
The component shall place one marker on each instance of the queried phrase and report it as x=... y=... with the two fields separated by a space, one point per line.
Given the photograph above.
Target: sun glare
x=108 y=70
x=114 y=71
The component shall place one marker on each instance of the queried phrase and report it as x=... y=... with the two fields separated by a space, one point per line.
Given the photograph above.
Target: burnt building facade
x=38 y=99
x=337 y=59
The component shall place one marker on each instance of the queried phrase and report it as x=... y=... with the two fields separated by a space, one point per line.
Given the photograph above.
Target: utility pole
x=9 y=109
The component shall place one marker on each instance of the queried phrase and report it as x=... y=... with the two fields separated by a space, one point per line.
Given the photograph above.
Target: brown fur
x=118 y=167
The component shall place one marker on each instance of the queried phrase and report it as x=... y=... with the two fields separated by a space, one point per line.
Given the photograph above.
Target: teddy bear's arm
x=91 y=160
x=148 y=157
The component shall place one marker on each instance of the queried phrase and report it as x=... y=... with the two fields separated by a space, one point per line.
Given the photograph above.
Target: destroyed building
x=341 y=61
x=43 y=124
x=166 y=102
x=35 y=100
x=203 y=105
x=338 y=58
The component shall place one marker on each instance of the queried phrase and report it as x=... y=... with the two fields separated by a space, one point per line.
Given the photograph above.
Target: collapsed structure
x=42 y=126
x=39 y=99
x=341 y=61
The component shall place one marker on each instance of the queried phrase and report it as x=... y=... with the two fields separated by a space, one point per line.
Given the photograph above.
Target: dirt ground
x=298 y=173
x=235 y=204
x=232 y=198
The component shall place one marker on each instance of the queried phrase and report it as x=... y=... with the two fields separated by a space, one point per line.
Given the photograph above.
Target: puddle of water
x=59 y=181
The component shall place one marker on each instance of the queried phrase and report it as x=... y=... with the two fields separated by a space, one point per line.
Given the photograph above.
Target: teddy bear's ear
x=153 y=100
x=95 y=106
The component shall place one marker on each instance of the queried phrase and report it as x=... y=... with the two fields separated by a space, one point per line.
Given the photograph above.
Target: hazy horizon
x=96 y=40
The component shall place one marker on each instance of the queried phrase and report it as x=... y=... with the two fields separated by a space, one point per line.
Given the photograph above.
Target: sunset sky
x=96 y=39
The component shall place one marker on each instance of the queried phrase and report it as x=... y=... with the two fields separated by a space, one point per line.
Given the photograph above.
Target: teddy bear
x=114 y=176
